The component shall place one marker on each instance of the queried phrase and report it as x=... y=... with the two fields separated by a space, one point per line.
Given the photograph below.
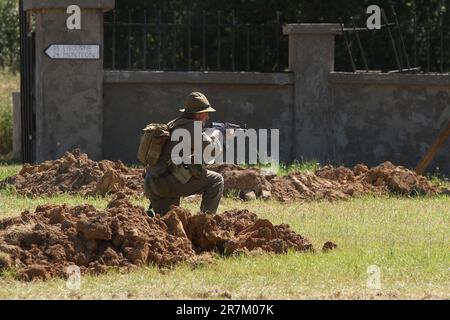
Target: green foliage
x=9 y=35
x=5 y=128
x=425 y=52
x=377 y=44
x=8 y=83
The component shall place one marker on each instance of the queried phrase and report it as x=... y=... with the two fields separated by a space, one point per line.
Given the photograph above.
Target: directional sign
x=73 y=51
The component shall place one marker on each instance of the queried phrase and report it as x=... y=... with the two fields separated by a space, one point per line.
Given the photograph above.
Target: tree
x=9 y=35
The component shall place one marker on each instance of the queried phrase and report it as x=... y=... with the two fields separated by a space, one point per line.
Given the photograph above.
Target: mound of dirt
x=248 y=183
x=76 y=173
x=327 y=183
x=42 y=244
x=384 y=178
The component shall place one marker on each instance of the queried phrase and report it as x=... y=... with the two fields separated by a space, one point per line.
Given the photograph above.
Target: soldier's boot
x=162 y=205
x=150 y=211
x=158 y=205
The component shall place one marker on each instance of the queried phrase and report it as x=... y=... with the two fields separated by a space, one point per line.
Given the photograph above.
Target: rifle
x=223 y=126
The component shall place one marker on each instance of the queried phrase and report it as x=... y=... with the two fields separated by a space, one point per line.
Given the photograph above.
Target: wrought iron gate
x=27 y=88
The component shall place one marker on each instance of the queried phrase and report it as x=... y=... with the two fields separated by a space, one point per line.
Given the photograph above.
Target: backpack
x=153 y=139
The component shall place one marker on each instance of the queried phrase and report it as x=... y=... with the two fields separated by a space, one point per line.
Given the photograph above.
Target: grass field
x=408 y=239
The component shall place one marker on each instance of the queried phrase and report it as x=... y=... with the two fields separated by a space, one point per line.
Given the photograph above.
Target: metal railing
x=193 y=42
x=27 y=97
x=408 y=47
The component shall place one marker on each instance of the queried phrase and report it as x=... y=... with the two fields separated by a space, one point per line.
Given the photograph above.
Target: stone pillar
x=311 y=58
x=69 y=92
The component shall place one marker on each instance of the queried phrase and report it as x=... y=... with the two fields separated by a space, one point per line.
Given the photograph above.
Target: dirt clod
x=327 y=246
x=45 y=242
x=5 y=261
x=35 y=272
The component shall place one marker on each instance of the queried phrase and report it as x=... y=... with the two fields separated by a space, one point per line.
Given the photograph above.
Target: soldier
x=165 y=182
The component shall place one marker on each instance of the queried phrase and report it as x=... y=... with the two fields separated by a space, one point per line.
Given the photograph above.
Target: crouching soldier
x=165 y=182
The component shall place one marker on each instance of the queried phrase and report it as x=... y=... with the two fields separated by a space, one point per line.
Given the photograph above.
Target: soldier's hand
x=215 y=134
x=230 y=132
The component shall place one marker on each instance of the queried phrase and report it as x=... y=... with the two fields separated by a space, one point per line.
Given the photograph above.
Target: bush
x=6 y=128
x=8 y=83
x=9 y=35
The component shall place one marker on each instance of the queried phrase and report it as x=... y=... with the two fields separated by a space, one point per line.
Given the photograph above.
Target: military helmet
x=197 y=102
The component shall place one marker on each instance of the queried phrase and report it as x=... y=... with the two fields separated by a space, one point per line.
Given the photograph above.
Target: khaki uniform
x=162 y=187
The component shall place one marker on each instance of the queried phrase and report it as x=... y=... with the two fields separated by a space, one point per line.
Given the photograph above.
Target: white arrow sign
x=73 y=51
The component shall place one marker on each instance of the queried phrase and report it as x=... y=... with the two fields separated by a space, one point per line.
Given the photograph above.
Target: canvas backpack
x=153 y=139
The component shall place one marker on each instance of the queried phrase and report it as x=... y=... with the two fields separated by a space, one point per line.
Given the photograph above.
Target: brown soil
x=327 y=246
x=75 y=173
x=242 y=180
x=42 y=244
x=328 y=183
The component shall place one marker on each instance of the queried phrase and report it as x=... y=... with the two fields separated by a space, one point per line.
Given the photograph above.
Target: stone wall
x=395 y=117
x=337 y=118
x=133 y=99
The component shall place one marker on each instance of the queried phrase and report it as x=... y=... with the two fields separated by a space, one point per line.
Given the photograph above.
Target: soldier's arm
x=214 y=141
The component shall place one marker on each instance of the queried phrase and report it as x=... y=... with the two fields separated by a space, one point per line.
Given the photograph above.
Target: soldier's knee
x=216 y=179
x=220 y=182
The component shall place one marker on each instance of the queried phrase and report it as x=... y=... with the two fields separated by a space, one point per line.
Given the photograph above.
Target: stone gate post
x=69 y=79
x=311 y=58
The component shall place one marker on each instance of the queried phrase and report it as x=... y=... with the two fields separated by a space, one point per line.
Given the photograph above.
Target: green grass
x=8 y=170
x=284 y=169
x=407 y=238
x=295 y=166
x=439 y=179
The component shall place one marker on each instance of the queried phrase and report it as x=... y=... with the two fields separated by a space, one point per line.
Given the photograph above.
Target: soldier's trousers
x=210 y=185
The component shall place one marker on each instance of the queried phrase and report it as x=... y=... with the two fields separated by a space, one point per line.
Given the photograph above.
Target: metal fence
x=218 y=41
x=27 y=82
x=200 y=41
x=415 y=46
